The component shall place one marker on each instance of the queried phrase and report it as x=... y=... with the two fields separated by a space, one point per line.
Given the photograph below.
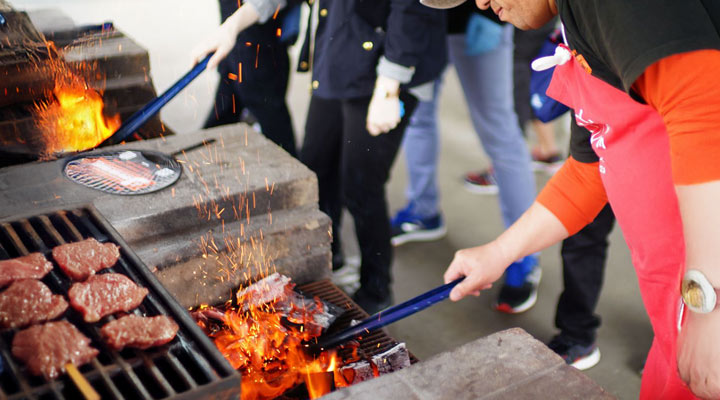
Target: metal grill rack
x=371 y=344
x=189 y=367
x=124 y=172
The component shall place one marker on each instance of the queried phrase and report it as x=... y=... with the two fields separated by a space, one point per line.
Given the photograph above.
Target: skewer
x=82 y=384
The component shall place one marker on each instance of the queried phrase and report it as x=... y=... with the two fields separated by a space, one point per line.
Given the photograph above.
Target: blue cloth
x=290 y=25
x=487 y=84
x=545 y=107
x=482 y=35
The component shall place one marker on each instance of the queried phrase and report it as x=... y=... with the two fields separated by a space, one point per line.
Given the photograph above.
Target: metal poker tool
x=441 y=4
x=387 y=316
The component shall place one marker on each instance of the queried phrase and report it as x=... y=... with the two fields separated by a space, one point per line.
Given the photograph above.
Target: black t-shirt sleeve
x=621 y=38
x=580 y=148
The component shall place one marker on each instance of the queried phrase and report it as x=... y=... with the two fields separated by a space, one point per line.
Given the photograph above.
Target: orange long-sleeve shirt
x=685 y=90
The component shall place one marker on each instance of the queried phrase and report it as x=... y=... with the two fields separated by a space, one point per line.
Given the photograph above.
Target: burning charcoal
x=393 y=359
x=314 y=314
x=266 y=290
x=357 y=372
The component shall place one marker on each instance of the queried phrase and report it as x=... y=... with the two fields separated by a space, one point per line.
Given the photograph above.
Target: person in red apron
x=658 y=167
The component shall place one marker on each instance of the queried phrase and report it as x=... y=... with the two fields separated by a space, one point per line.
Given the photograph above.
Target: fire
x=267 y=346
x=75 y=120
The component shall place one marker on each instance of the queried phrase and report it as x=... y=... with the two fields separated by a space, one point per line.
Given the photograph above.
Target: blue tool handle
x=389 y=315
x=3 y=21
x=150 y=109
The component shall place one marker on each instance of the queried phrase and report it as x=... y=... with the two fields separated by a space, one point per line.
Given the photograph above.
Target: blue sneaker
x=519 y=292
x=409 y=227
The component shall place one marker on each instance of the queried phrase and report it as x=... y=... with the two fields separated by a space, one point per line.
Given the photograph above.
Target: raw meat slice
x=105 y=294
x=139 y=332
x=47 y=348
x=79 y=260
x=31 y=266
x=27 y=302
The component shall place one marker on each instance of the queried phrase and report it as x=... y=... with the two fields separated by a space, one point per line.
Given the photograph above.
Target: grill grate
x=188 y=367
x=124 y=172
x=370 y=345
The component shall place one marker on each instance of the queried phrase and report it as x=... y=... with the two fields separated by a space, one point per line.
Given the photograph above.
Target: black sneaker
x=371 y=304
x=575 y=354
x=519 y=291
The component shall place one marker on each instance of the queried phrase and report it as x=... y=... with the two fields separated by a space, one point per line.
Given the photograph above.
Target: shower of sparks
x=237 y=252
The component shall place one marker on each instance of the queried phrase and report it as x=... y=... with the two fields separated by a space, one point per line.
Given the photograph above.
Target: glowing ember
x=75 y=120
x=266 y=345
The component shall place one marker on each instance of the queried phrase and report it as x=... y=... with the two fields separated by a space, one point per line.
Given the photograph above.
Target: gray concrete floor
x=170 y=28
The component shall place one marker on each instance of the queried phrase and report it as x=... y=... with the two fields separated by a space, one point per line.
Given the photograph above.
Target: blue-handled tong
x=387 y=316
x=150 y=109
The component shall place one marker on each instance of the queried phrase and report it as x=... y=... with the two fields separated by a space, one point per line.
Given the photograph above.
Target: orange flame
x=75 y=120
x=270 y=353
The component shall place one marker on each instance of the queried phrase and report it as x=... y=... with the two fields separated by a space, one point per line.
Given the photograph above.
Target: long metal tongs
x=387 y=316
x=150 y=109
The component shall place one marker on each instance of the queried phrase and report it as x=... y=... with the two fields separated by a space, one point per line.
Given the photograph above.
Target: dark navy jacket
x=353 y=34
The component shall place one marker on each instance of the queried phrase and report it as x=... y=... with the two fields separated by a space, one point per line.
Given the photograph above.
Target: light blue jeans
x=487 y=82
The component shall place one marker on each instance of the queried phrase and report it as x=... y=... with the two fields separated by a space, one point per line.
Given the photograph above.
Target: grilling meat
x=31 y=266
x=27 y=302
x=139 y=332
x=82 y=259
x=47 y=348
x=105 y=294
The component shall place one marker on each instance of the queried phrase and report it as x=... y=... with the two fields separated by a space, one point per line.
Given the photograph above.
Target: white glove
x=222 y=40
x=384 y=110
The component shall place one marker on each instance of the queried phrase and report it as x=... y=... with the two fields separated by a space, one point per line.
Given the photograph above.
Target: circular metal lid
x=124 y=172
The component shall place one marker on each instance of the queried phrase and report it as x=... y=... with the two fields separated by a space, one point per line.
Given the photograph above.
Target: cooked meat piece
x=31 y=266
x=139 y=332
x=27 y=302
x=47 y=348
x=82 y=259
x=105 y=294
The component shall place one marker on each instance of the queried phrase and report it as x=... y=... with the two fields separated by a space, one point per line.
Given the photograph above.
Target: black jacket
x=353 y=34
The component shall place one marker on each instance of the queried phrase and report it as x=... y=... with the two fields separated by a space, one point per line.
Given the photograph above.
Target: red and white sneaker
x=482 y=182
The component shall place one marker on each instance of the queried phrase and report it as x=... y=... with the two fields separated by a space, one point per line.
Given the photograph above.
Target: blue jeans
x=487 y=83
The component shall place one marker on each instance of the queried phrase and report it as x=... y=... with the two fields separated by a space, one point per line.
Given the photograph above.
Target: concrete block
x=506 y=365
x=114 y=57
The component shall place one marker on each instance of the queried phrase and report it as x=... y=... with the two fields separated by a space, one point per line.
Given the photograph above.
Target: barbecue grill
x=188 y=367
x=373 y=343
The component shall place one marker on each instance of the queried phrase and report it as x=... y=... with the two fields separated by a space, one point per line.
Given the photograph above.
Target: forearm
x=245 y=16
x=536 y=230
x=701 y=225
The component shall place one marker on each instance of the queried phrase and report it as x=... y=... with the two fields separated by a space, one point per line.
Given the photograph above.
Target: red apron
x=631 y=141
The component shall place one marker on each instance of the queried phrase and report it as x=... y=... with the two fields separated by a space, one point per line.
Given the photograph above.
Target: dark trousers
x=352 y=168
x=583 y=256
x=261 y=71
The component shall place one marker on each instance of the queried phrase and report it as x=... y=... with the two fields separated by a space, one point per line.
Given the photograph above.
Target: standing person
x=545 y=155
x=254 y=74
x=481 y=51
x=583 y=264
x=657 y=166
x=372 y=61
